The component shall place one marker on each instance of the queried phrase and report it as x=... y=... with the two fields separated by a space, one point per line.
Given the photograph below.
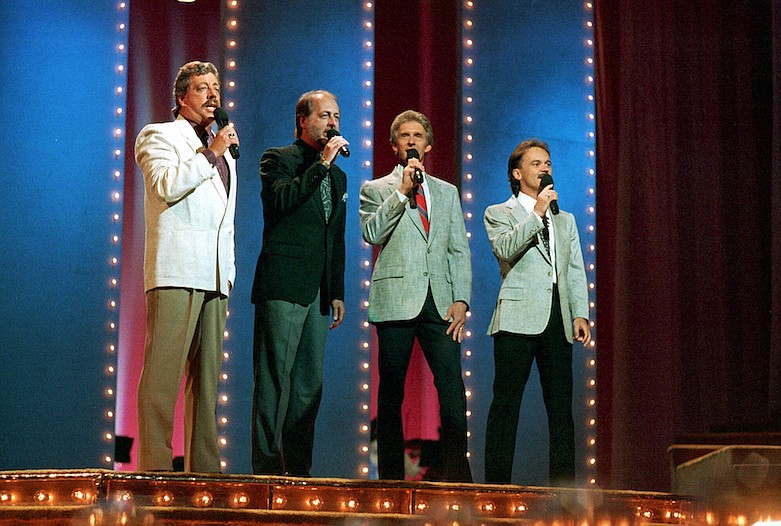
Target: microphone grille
x=221 y=116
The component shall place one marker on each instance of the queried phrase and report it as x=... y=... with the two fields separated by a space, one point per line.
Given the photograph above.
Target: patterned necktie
x=207 y=137
x=420 y=199
x=325 y=195
x=545 y=234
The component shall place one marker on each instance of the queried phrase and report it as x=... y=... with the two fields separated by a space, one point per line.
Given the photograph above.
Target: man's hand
x=457 y=311
x=224 y=138
x=582 y=331
x=337 y=311
x=544 y=199
x=408 y=175
x=331 y=149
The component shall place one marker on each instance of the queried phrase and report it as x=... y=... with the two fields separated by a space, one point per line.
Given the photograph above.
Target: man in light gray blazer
x=542 y=306
x=189 y=269
x=420 y=289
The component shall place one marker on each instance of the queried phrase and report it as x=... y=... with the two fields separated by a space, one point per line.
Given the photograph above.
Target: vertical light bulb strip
x=590 y=245
x=364 y=275
x=229 y=83
x=115 y=241
x=467 y=186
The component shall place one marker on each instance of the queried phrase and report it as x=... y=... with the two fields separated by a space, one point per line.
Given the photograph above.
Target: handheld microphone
x=221 y=118
x=333 y=132
x=547 y=180
x=412 y=153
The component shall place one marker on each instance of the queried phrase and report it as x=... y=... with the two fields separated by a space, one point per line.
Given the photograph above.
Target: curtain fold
x=687 y=189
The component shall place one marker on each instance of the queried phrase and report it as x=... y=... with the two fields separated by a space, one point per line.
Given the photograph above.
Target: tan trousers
x=184 y=334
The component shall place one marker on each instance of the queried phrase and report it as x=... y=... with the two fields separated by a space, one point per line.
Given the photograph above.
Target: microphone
x=412 y=153
x=547 y=180
x=221 y=118
x=333 y=132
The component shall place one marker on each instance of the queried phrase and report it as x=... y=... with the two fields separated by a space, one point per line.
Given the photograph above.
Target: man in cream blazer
x=189 y=269
x=420 y=289
x=542 y=306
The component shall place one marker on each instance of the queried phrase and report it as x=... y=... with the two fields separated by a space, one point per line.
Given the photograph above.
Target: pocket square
x=344 y=197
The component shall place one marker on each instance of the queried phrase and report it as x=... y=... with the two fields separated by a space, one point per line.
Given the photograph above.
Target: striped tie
x=420 y=199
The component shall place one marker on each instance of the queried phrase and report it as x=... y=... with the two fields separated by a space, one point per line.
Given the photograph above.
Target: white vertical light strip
x=115 y=250
x=467 y=187
x=590 y=244
x=228 y=74
x=364 y=275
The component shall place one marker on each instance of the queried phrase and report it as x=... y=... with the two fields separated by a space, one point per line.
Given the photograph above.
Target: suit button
x=425 y=273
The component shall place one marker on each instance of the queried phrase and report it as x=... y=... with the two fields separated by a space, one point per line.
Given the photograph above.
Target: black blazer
x=301 y=253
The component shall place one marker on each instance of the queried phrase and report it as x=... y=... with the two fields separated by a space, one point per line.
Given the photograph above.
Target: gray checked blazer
x=410 y=261
x=525 y=296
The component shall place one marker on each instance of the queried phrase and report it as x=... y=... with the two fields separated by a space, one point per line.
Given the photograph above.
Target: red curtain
x=688 y=224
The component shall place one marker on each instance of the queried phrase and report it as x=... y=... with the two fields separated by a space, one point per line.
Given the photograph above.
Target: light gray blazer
x=409 y=260
x=189 y=216
x=525 y=298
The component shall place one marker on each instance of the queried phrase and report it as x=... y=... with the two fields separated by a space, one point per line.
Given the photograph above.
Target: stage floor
x=97 y=497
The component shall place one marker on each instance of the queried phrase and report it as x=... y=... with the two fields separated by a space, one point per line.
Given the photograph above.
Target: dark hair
x=306 y=105
x=182 y=82
x=407 y=116
x=517 y=156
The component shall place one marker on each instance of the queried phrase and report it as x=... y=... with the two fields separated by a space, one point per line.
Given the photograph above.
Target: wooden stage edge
x=97 y=497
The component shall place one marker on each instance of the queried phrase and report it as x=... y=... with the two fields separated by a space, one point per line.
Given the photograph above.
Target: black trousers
x=444 y=358
x=513 y=357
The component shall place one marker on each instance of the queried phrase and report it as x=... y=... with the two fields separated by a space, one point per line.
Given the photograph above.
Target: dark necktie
x=545 y=234
x=420 y=199
x=207 y=137
x=325 y=195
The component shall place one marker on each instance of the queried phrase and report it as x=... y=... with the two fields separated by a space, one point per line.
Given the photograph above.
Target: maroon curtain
x=688 y=226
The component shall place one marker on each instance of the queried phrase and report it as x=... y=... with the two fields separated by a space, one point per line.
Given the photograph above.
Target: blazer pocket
x=512 y=293
x=284 y=249
x=383 y=272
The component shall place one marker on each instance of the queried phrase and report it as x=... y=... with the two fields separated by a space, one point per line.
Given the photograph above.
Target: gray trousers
x=288 y=360
x=184 y=333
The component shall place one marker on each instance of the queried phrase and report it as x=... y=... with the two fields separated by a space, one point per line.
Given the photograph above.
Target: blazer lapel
x=194 y=142
x=520 y=214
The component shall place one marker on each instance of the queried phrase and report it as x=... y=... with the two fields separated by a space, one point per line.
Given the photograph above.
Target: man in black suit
x=299 y=278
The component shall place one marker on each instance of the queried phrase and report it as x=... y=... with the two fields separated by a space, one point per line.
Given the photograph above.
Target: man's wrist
x=325 y=163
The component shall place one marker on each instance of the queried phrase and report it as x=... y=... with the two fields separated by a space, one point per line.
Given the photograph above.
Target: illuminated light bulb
x=467 y=373
x=366 y=325
x=223 y=441
x=592 y=402
x=314 y=502
x=591 y=304
x=121 y=47
x=469 y=195
x=112 y=325
x=224 y=399
x=367 y=164
x=366 y=263
x=469 y=62
x=591 y=116
x=592 y=383
x=365 y=407
x=366 y=304
x=119 y=89
x=367 y=103
x=592 y=362
x=367 y=64
x=468 y=434
x=234 y=3
x=469 y=80
x=231 y=64
x=224 y=376
x=365 y=365
x=109 y=436
x=470 y=4
x=110 y=369
x=589 y=61
x=469 y=157
x=468 y=334
x=386 y=504
x=365 y=470
x=223 y=420
x=231 y=104
x=469 y=137
x=592 y=442
x=368 y=43
x=117 y=152
x=468 y=413
x=589 y=23
x=111 y=348
x=468 y=353
x=232 y=84
x=521 y=507
x=120 y=68
x=225 y=355
x=592 y=422
x=239 y=500
x=365 y=387
x=225 y=334
x=233 y=23
x=592 y=461
x=468 y=118
x=6 y=497
x=203 y=499
x=469 y=99
x=469 y=42
x=122 y=5
x=232 y=43
x=469 y=235
x=109 y=392
x=164 y=498
x=593 y=343
x=365 y=345
x=117 y=174
x=107 y=459
x=122 y=26
x=589 y=79
x=367 y=24
x=469 y=314
x=468 y=393
x=367 y=123
x=365 y=449
x=421 y=506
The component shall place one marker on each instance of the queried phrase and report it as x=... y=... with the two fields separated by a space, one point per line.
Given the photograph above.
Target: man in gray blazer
x=189 y=269
x=542 y=306
x=420 y=289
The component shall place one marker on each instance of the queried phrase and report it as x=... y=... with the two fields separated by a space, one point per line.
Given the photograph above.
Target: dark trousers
x=288 y=360
x=444 y=358
x=513 y=357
